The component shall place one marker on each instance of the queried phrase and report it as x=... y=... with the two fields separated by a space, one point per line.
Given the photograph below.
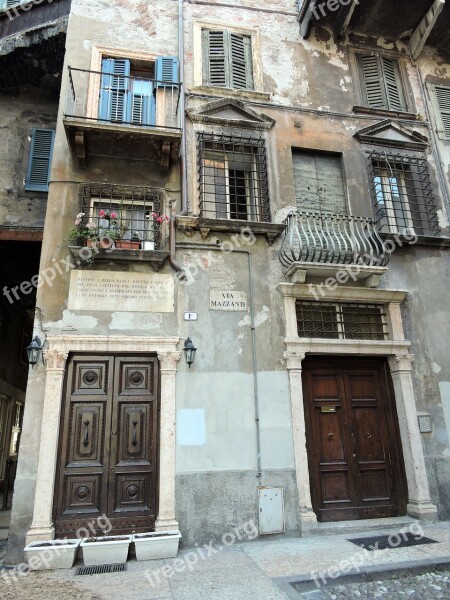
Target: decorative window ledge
x=83 y=256
x=299 y=272
x=390 y=114
x=189 y=225
x=421 y=240
x=350 y=294
x=221 y=92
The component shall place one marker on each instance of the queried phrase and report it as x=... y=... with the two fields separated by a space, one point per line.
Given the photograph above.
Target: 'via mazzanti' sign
x=227 y=300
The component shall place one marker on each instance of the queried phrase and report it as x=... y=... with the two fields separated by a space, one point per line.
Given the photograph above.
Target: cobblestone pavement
x=431 y=586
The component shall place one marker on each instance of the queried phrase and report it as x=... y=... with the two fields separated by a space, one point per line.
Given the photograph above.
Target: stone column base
x=425 y=511
x=308 y=521
x=40 y=534
x=166 y=524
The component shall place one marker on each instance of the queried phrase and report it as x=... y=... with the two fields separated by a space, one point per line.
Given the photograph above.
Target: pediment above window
x=231 y=113
x=390 y=133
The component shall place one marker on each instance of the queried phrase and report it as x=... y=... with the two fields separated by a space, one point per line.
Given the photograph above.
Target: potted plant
x=83 y=233
x=154 y=222
x=158 y=544
x=54 y=554
x=105 y=550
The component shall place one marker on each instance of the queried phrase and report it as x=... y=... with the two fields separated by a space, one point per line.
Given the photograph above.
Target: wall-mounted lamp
x=34 y=350
x=190 y=351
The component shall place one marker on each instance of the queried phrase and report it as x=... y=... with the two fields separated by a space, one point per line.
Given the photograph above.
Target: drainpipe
x=183 y=173
x=200 y=246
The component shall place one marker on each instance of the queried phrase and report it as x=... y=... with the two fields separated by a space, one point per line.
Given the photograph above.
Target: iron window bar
x=348 y=321
x=327 y=238
x=232 y=177
x=123 y=212
x=402 y=193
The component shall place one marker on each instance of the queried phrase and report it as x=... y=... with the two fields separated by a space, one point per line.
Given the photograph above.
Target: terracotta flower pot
x=128 y=245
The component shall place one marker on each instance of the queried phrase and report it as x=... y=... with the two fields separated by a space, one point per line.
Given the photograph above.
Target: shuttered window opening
x=319 y=182
x=402 y=194
x=227 y=59
x=326 y=320
x=442 y=94
x=381 y=83
x=39 y=162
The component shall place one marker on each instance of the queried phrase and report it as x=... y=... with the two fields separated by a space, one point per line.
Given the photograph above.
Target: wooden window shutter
x=442 y=95
x=215 y=58
x=115 y=85
x=40 y=159
x=393 y=84
x=166 y=68
x=319 y=182
x=382 y=85
x=241 y=61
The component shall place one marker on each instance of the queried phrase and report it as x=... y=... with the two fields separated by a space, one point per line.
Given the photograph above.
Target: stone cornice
x=340 y=293
x=84 y=343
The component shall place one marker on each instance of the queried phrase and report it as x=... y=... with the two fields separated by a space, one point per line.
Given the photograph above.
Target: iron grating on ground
x=394 y=540
x=101 y=569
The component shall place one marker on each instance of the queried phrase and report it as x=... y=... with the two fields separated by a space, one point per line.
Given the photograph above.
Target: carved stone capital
x=401 y=362
x=294 y=359
x=55 y=360
x=168 y=360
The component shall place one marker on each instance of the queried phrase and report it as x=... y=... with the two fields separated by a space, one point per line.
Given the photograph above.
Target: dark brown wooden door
x=108 y=444
x=355 y=461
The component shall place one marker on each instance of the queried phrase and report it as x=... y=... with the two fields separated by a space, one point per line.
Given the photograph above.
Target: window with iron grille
x=381 y=82
x=345 y=321
x=402 y=193
x=227 y=59
x=124 y=212
x=233 y=178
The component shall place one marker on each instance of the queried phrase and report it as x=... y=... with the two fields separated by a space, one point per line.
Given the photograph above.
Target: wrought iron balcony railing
x=121 y=99
x=312 y=237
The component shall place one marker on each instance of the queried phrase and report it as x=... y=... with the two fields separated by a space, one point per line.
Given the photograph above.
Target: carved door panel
x=356 y=466
x=108 y=444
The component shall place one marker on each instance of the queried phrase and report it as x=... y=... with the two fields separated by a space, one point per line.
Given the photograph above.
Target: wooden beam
x=422 y=32
x=21 y=235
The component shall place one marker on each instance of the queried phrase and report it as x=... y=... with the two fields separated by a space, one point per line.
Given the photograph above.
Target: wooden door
x=355 y=460
x=108 y=444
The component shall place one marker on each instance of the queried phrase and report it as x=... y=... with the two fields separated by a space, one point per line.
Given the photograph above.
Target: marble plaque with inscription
x=227 y=300
x=121 y=291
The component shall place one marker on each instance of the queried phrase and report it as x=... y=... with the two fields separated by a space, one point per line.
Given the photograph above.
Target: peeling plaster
x=72 y=321
x=135 y=321
x=442 y=219
x=436 y=368
x=260 y=318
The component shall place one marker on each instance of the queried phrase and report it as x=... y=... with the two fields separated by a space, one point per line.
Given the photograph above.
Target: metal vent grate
x=101 y=569
x=394 y=540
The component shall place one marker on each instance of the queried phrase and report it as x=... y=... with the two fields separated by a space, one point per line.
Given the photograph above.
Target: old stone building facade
x=269 y=180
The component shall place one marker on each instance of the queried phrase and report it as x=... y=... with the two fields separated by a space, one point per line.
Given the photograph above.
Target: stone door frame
x=56 y=353
x=400 y=360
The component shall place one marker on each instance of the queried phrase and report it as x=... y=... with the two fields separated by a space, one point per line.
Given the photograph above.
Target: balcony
x=25 y=16
x=120 y=115
x=126 y=223
x=428 y=20
x=320 y=245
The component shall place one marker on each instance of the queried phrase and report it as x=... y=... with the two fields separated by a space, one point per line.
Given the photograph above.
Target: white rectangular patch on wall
x=271 y=510
x=425 y=424
x=191 y=427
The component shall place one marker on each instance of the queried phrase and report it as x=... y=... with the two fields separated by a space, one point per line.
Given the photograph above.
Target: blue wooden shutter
x=166 y=68
x=142 y=105
x=40 y=160
x=443 y=105
x=114 y=90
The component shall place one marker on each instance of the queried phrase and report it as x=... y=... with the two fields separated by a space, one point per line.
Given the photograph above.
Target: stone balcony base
x=299 y=272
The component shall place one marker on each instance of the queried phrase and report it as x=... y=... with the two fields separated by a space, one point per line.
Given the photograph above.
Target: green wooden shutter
x=393 y=84
x=371 y=75
x=40 y=159
x=382 y=85
x=241 y=61
x=442 y=94
x=319 y=182
x=215 y=59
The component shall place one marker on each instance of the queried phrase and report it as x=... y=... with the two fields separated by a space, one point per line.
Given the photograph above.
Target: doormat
x=393 y=540
x=101 y=569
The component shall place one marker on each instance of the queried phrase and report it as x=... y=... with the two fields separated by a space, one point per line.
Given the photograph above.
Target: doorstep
x=360 y=526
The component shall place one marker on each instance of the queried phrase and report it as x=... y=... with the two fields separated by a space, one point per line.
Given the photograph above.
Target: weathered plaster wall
x=20 y=111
